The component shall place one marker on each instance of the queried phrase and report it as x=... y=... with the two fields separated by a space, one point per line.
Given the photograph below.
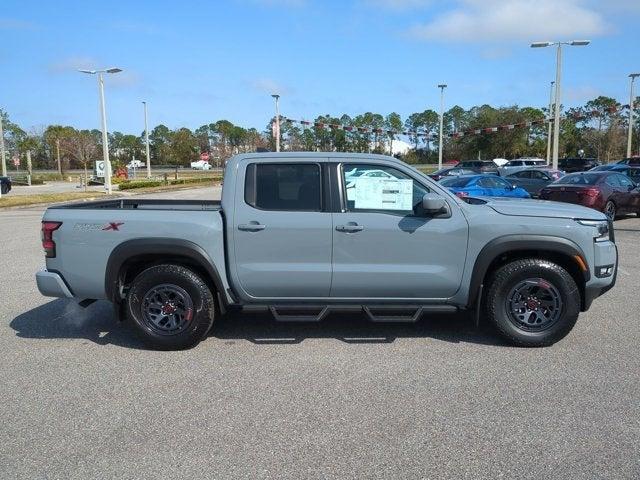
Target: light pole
x=146 y=140
x=442 y=86
x=549 y=122
x=277 y=99
x=103 y=116
x=2 y=153
x=556 y=118
x=631 y=102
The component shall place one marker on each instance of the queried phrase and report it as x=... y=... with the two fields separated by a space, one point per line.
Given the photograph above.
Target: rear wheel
x=171 y=307
x=532 y=302
x=610 y=210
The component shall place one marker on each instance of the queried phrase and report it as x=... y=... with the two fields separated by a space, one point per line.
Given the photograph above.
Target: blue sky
x=195 y=62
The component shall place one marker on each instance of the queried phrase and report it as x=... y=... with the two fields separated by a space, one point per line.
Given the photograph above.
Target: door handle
x=251 y=227
x=349 y=228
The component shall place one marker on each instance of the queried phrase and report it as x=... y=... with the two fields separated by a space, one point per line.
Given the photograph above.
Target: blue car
x=483 y=186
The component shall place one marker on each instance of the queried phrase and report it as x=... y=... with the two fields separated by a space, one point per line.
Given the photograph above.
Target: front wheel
x=171 y=307
x=532 y=302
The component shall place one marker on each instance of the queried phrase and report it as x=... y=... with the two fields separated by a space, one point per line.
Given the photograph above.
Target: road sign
x=204 y=156
x=100 y=168
x=16 y=161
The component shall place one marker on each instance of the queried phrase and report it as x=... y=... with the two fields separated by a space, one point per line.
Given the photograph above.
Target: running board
x=403 y=313
x=375 y=313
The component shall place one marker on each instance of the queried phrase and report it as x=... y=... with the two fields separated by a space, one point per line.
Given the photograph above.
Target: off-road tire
x=197 y=294
x=507 y=277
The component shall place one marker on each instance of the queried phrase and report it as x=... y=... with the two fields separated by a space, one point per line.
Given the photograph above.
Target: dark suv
x=5 y=185
x=632 y=161
x=571 y=165
x=480 y=166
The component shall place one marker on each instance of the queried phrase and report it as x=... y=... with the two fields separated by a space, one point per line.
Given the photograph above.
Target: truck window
x=381 y=188
x=283 y=186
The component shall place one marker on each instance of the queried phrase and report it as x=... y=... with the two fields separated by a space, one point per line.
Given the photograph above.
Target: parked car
x=5 y=185
x=630 y=171
x=483 y=186
x=451 y=172
x=201 y=165
x=534 y=179
x=634 y=161
x=480 y=166
x=520 y=164
x=609 y=192
x=571 y=165
x=286 y=239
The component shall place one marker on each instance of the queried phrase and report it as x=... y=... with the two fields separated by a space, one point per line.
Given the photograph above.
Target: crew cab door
x=281 y=235
x=386 y=246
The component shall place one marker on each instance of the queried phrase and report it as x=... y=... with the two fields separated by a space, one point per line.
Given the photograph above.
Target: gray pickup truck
x=306 y=234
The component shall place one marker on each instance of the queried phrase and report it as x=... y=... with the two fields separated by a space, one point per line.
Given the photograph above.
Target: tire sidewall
x=569 y=295
x=201 y=298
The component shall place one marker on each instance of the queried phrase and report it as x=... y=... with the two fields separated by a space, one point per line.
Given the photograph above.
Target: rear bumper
x=51 y=284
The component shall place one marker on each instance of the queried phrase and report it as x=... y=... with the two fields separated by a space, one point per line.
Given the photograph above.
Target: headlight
x=601 y=226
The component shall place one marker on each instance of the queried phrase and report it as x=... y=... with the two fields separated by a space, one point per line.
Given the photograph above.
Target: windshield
x=455 y=182
x=578 y=179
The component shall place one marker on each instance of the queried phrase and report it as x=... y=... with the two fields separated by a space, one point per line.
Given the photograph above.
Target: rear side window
x=283 y=186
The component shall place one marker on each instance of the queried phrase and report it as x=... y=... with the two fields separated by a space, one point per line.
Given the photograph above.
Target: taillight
x=590 y=192
x=48 y=244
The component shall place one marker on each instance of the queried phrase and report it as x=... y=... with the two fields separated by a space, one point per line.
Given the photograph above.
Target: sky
x=196 y=62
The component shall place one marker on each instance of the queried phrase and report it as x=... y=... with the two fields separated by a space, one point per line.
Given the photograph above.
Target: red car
x=609 y=192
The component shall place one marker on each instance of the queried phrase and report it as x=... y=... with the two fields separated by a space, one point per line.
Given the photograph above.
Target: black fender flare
x=171 y=247
x=514 y=243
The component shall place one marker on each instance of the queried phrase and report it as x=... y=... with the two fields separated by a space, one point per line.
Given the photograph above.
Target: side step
x=375 y=313
x=403 y=313
x=299 y=314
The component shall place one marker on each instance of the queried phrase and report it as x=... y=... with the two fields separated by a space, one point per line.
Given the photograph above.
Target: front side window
x=283 y=186
x=381 y=188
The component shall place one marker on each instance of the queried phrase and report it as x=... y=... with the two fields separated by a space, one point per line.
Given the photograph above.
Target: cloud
x=580 y=94
x=521 y=20
x=399 y=4
x=268 y=85
x=15 y=24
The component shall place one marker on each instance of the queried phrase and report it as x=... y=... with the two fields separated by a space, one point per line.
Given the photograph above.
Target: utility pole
x=277 y=99
x=631 y=102
x=146 y=140
x=549 y=122
x=2 y=152
x=442 y=86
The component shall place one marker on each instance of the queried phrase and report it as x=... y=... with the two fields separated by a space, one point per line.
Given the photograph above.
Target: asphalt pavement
x=80 y=396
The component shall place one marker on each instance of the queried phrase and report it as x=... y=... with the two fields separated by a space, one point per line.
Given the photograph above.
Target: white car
x=518 y=164
x=201 y=165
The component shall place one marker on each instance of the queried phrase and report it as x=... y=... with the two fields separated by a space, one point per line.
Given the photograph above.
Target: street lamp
x=549 y=122
x=631 y=102
x=556 y=119
x=103 y=113
x=146 y=140
x=442 y=86
x=277 y=98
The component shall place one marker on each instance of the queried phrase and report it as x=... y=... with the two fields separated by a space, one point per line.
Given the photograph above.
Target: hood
x=525 y=207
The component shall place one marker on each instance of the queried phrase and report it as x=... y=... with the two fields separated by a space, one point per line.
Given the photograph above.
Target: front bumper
x=51 y=284
x=600 y=286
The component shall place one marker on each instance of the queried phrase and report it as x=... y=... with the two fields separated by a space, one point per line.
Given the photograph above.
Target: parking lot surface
x=82 y=398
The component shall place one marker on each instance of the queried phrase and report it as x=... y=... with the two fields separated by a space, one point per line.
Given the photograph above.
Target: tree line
x=596 y=129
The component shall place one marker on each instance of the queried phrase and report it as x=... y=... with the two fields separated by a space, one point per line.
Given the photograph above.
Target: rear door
x=384 y=246
x=282 y=231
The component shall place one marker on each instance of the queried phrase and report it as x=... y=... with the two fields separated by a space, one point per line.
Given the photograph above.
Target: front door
x=281 y=233
x=385 y=246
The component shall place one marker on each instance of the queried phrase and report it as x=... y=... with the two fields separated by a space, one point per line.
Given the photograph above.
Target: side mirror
x=433 y=203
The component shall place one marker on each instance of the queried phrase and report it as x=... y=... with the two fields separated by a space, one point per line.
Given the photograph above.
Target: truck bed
x=144 y=204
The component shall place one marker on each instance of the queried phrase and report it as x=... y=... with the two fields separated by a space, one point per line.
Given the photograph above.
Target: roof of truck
x=326 y=156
